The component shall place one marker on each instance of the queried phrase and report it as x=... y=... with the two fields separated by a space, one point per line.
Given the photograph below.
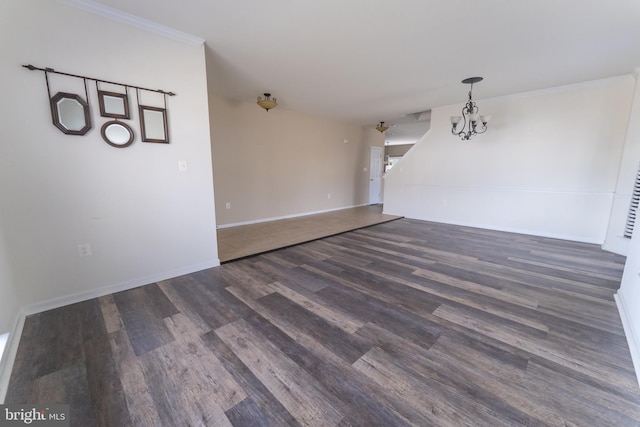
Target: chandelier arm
x=464 y=124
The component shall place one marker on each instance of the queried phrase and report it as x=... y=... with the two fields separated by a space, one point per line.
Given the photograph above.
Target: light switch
x=182 y=165
x=84 y=249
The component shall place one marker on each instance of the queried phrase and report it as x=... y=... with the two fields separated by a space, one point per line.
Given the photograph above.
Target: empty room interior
x=321 y=212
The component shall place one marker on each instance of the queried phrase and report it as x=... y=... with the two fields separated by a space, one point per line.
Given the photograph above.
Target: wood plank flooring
x=402 y=323
x=246 y=240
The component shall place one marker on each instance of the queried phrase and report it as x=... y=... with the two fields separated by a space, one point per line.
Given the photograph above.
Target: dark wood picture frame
x=104 y=110
x=59 y=118
x=105 y=134
x=153 y=124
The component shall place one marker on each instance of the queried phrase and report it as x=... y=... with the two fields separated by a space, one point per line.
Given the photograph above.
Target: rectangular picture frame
x=114 y=104
x=153 y=124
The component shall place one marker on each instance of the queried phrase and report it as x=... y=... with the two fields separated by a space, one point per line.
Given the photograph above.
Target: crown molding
x=134 y=21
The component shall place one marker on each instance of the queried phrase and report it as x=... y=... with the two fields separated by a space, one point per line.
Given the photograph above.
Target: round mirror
x=70 y=113
x=117 y=134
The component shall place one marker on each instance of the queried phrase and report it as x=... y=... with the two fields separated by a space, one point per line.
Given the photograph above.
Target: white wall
x=615 y=241
x=9 y=302
x=628 y=296
x=282 y=163
x=144 y=219
x=628 y=300
x=547 y=165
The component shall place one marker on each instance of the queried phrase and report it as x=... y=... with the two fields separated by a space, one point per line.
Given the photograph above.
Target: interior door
x=375 y=176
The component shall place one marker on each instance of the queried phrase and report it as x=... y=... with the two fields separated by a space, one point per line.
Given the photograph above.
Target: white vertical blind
x=633 y=207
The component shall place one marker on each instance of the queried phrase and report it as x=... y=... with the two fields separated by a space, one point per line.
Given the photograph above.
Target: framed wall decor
x=117 y=134
x=153 y=124
x=70 y=113
x=113 y=104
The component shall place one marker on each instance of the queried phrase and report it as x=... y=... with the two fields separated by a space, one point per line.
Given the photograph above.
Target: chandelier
x=381 y=127
x=469 y=116
x=267 y=102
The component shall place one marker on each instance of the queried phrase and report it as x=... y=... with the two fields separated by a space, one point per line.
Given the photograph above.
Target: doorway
x=375 y=176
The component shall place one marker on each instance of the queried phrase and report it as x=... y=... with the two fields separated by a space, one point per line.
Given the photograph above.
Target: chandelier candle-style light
x=267 y=102
x=469 y=116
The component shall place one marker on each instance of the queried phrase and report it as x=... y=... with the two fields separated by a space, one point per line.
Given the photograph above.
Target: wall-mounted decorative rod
x=51 y=70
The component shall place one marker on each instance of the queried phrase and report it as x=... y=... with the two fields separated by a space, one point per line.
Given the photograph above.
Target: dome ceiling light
x=267 y=102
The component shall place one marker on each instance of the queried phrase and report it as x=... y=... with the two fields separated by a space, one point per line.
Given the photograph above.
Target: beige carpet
x=246 y=240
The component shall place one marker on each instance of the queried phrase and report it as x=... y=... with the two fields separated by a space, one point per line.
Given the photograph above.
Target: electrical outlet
x=228 y=205
x=84 y=249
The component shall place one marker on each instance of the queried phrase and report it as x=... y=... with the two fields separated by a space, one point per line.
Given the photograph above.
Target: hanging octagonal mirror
x=70 y=113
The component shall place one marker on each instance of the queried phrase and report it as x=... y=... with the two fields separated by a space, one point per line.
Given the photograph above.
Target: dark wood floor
x=403 y=323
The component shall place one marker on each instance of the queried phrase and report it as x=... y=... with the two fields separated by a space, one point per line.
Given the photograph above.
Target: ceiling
x=364 y=61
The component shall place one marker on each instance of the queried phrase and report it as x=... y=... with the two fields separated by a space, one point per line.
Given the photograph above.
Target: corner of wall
x=8 y=356
x=617 y=245
x=630 y=333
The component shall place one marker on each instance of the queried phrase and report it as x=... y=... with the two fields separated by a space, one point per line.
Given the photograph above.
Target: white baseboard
x=9 y=355
x=515 y=230
x=618 y=245
x=629 y=333
x=8 y=358
x=276 y=218
x=116 y=287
